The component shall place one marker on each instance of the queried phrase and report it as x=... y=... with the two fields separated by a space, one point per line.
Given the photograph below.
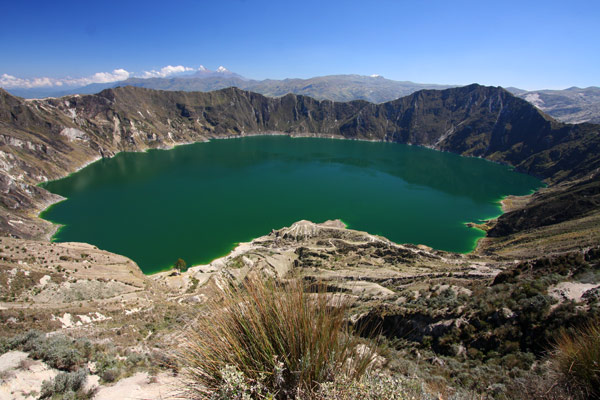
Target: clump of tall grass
x=577 y=357
x=275 y=340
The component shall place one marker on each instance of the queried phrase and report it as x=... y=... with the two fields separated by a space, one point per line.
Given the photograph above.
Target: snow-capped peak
x=202 y=68
x=375 y=76
x=222 y=69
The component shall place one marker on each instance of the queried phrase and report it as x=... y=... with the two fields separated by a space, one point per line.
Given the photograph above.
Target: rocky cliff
x=46 y=139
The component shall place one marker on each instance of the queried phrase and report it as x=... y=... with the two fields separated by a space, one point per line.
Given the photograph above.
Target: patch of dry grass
x=277 y=340
x=577 y=357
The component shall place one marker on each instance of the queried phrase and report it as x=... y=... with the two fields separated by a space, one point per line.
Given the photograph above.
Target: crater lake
x=197 y=201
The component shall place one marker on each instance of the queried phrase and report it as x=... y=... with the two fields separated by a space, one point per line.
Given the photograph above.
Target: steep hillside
x=46 y=139
x=573 y=105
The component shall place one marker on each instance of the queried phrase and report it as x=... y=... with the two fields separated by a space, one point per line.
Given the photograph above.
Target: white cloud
x=104 y=77
x=119 y=74
x=9 y=81
x=167 y=71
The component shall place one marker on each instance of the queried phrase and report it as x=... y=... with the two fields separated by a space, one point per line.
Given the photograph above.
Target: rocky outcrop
x=345 y=260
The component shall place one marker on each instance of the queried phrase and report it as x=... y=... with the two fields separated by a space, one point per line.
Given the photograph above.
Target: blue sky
x=527 y=44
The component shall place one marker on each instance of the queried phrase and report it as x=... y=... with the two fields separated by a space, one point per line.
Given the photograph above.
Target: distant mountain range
x=573 y=105
x=374 y=89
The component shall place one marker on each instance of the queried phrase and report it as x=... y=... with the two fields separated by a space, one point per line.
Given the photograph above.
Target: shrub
x=24 y=338
x=235 y=386
x=180 y=265
x=577 y=357
x=135 y=359
x=57 y=351
x=69 y=385
x=281 y=338
x=374 y=387
x=194 y=284
x=110 y=375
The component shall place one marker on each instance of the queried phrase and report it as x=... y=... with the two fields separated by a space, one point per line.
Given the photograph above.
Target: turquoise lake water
x=198 y=201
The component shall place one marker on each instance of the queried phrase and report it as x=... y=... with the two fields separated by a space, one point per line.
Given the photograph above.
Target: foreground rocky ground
x=458 y=322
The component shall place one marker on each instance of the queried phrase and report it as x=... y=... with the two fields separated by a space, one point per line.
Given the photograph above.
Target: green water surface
x=197 y=201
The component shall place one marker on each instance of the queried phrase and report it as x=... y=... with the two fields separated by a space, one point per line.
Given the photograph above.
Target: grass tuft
x=577 y=357
x=274 y=340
